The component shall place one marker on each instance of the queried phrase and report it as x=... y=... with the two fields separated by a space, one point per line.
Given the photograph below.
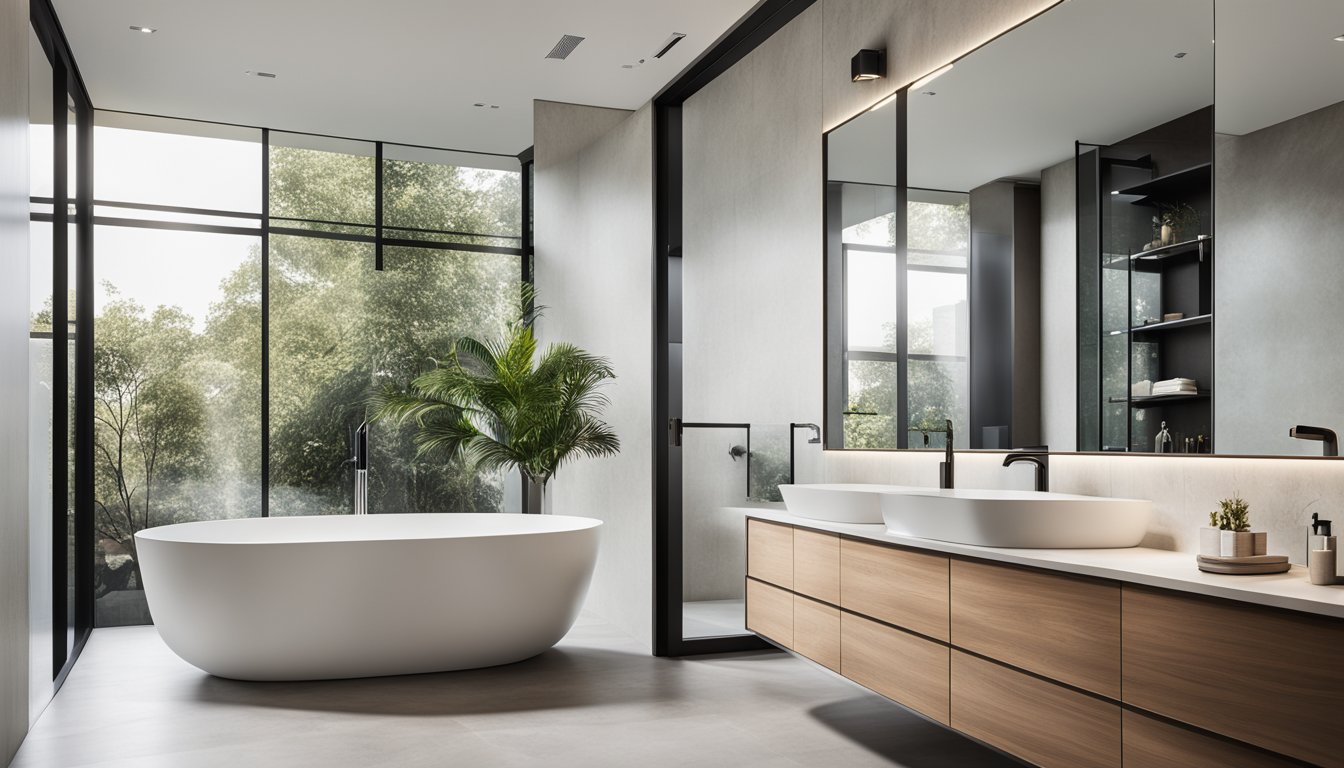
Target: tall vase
x=536 y=497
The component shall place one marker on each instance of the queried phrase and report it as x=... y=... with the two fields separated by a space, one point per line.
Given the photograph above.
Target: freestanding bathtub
x=309 y=598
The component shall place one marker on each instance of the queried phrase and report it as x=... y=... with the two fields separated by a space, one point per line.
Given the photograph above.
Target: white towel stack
x=1175 y=387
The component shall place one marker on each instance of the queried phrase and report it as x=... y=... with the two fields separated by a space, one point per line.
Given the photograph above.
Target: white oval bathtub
x=309 y=598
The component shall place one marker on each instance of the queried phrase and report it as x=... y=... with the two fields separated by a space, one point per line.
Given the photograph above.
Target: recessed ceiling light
x=146 y=30
x=482 y=105
x=929 y=93
x=255 y=73
x=1339 y=39
x=1181 y=55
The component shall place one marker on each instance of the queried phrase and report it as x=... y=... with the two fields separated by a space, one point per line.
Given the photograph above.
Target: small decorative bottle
x=1162 y=444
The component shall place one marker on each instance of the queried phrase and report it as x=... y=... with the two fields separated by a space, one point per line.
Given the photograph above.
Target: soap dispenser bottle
x=1322 y=552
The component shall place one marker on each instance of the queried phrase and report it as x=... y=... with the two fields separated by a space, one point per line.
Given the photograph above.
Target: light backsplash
x=1282 y=492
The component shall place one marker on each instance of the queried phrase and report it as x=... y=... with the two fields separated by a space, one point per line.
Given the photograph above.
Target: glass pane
x=939 y=231
x=177 y=393
x=874 y=399
x=769 y=464
x=870 y=306
x=179 y=163
x=937 y=314
x=713 y=530
x=452 y=192
x=416 y=308
x=41 y=367
x=339 y=329
x=72 y=277
x=320 y=179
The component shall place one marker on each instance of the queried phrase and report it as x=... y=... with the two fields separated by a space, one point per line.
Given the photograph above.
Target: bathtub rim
x=572 y=524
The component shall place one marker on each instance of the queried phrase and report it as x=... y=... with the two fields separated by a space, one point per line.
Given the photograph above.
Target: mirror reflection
x=1025 y=243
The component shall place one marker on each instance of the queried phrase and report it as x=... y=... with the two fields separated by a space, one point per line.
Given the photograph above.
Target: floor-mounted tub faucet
x=1042 y=461
x=361 y=462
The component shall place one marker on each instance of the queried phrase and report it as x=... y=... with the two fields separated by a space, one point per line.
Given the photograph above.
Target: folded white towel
x=1174 y=382
x=1141 y=388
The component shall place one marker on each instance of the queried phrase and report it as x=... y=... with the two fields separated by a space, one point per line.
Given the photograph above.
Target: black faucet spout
x=946 y=475
x=1040 y=459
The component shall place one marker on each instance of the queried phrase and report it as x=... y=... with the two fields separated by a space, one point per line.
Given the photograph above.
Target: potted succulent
x=1229 y=531
x=505 y=404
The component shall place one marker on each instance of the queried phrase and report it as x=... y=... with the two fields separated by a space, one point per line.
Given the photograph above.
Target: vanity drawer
x=1038 y=721
x=770 y=552
x=1270 y=678
x=898 y=586
x=903 y=667
x=770 y=612
x=1066 y=628
x=816 y=631
x=1151 y=743
x=816 y=565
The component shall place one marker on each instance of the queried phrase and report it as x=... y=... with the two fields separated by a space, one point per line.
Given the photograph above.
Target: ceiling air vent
x=565 y=47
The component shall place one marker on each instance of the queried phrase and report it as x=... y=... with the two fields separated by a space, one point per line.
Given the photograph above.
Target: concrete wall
x=1278 y=310
x=594 y=269
x=14 y=671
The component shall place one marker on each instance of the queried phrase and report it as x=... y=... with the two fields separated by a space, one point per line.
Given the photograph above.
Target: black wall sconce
x=868 y=64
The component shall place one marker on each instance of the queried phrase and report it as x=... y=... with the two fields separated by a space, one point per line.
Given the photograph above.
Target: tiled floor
x=597 y=699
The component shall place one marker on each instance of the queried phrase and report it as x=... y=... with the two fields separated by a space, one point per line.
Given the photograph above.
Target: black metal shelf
x=1178 y=185
x=1152 y=401
x=1172 y=325
x=1159 y=258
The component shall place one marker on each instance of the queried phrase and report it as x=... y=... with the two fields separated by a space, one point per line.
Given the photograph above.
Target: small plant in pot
x=1229 y=531
x=500 y=405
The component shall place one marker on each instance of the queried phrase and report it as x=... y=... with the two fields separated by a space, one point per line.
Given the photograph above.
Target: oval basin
x=1023 y=519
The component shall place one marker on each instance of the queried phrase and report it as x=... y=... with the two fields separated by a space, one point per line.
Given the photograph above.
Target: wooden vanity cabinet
x=1056 y=669
x=898 y=586
x=1064 y=627
x=1267 y=677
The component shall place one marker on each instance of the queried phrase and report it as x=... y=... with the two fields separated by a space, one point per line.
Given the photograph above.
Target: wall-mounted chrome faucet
x=1326 y=436
x=1041 y=458
x=946 y=476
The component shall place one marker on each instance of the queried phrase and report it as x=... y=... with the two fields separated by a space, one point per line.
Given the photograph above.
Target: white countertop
x=1135 y=565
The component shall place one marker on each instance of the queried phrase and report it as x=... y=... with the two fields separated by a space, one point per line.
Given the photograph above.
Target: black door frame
x=768 y=17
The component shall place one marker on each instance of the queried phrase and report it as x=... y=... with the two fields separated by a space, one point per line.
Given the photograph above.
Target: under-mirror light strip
x=929 y=78
x=882 y=103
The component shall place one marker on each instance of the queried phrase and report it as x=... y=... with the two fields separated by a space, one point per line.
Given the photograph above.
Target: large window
x=250 y=295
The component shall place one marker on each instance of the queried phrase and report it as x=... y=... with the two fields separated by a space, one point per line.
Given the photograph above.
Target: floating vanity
x=1062 y=657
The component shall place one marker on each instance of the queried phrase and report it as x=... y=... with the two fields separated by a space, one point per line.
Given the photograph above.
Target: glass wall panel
x=177 y=393
x=72 y=331
x=177 y=163
x=339 y=330
x=41 y=377
x=456 y=197
x=323 y=184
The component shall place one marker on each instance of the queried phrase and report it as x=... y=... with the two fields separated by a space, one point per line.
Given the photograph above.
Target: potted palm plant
x=499 y=405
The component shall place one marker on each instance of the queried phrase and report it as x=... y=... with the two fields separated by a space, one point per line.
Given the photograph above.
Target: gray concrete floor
x=597 y=699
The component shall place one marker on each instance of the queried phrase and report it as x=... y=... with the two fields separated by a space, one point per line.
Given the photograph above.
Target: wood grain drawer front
x=906 y=669
x=1151 y=743
x=770 y=612
x=770 y=552
x=816 y=565
x=816 y=631
x=898 y=586
x=1038 y=721
x=1271 y=678
x=1065 y=628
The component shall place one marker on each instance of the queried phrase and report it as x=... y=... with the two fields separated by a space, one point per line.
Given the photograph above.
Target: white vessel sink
x=1028 y=519
x=839 y=502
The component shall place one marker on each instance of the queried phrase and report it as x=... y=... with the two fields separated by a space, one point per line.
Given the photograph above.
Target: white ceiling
x=396 y=70
x=1098 y=71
